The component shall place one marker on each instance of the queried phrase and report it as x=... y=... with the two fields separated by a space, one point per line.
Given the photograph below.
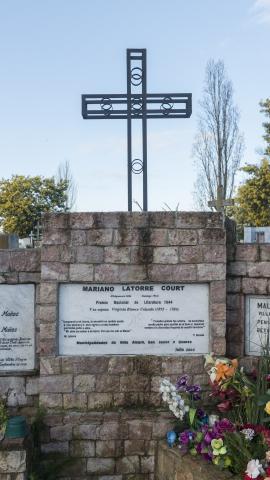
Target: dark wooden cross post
x=136 y=104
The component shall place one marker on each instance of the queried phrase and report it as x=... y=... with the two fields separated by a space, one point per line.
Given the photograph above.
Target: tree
x=24 y=199
x=265 y=108
x=218 y=145
x=64 y=174
x=252 y=201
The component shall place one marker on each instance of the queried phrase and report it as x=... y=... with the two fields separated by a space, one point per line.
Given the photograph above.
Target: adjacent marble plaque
x=257 y=323
x=17 y=327
x=148 y=319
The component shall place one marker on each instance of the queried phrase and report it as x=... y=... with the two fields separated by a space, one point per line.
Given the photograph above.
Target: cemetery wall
x=20 y=267
x=248 y=273
x=106 y=411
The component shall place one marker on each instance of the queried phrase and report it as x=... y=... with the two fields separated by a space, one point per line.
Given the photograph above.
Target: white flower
x=212 y=374
x=248 y=433
x=169 y=395
x=254 y=468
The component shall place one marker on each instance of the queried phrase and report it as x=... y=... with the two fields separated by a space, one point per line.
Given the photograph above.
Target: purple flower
x=182 y=382
x=186 y=437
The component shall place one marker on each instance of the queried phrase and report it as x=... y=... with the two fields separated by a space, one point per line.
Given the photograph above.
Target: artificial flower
x=253 y=469
x=267 y=408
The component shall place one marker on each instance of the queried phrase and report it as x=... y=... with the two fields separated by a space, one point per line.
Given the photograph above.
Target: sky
x=53 y=51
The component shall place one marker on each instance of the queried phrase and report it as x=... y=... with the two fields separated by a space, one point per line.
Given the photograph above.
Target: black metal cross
x=136 y=104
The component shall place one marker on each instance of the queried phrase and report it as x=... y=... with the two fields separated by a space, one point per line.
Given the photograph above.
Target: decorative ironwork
x=137 y=166
x=136 y=76
x=136 y=104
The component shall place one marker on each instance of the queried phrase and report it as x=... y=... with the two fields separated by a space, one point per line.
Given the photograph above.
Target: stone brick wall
x=15 y=456
x=18 y=267
x=171 y=465
x=106 y=411
x=248 y=273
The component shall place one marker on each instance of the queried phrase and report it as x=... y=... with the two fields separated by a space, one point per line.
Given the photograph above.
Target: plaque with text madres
x=148 y=319
x=17 y=327
x=257 y=323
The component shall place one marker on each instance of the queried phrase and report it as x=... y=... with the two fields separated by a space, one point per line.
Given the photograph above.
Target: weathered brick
x=172 y=273
x=132 y=273
x=218 y=291
x=233 y=301
x=127 y=465
x=50 y=365
x=85 y=432
x=127 y=237
x=54 y=271
x=99 y=400
x=61 y=432
x=254 y=286
x=78 y=237
x=100 y=236
x=140 y=429
x=81 y=220
x=47 y=313
x=109 y=430
x=212 y=236
x=135 y=383
x=264 y=253
x=148 y=464
x=81 y=272
x=100 y=465
x=106 y=273
x=55 y=237
x=234 y=285
x=4 y=260
x=172 y=365
x=29 y=277
x=119 y=365
x=82 y=448
x=162 y=219
x=166 y=255
x=261 y=269
x=209 y=272
x=90 y=254
x=32 y=386
x=89 y=365
x=55 y=447
x=48 y=292
x=245 y=252
x=107 y=448
x=117 y=254
x=51 y=400
x=218 y=329
x=219 y=345
x=25 y=260
x=161 y=428
x=218 y=312
x=237 y=268
x=56 y=384
x=84 y=383
x=182 y=237
x=107 y=383
x=75 y=400
x=191 y=254
x=134 y=447
x=214 y=255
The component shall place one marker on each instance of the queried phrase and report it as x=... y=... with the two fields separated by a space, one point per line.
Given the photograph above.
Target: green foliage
x=3 y=413
x=45 y=467
x=252 y=205
x=24 y=199
x=241 y=451
x=265 y=108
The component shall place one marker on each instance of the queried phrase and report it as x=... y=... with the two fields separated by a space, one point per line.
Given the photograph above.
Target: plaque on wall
x=148 y=319
x=257 y=320
x=17 y=327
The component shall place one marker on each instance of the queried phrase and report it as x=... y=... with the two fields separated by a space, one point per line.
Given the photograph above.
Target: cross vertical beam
x=136 y=109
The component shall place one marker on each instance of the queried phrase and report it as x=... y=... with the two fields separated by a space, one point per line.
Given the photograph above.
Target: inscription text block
x=148 y=319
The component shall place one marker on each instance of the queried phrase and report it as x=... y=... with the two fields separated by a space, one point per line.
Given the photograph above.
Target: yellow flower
x=267 y=408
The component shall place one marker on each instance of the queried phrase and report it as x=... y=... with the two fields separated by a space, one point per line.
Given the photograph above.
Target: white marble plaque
x=17 y=327
x=257 y=323
x=148 y=319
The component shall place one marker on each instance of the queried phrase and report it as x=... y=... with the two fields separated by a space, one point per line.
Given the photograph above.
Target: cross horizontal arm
x=158 y=105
